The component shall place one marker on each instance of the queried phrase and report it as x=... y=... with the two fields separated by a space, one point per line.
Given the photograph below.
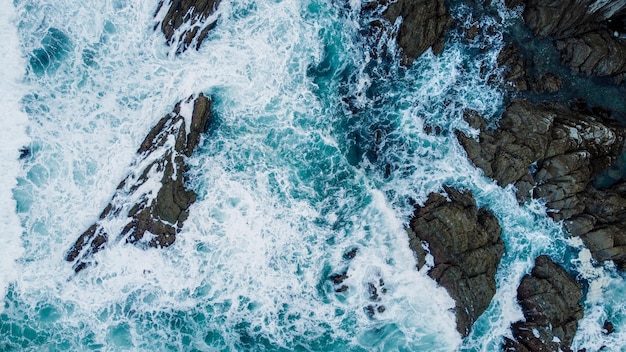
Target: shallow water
x=316 y=150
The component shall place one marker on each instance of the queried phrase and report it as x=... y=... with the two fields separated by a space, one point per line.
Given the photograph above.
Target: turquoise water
x=317 y=150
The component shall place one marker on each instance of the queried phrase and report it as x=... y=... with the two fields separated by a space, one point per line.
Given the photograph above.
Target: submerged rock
x=422 y=25
x=549 y=299
x=150 y=205
x=187 y=22
x=466 y=246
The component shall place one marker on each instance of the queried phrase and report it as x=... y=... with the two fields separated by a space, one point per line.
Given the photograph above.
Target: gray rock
x=565 y=18
x=466 y=245
x=514 y=68
x=549 y=299
x=150 y=205
x=422 y=25
x=196 y=17
x=597 y=53
x=546 y=150
x=547 y=83
x=601 y=223
x=551 y=152
x=585 y=34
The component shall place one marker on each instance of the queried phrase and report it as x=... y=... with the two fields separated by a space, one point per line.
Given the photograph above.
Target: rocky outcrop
x=514 y=75
x=422 y=25
x=545 y=150
x=466 y=246
x=596 y=53
x=601 y=223
x=565 y=18
x=552 y=152
x=187 y=22
x=549 y=299
x=150 y=205
x=590 y=35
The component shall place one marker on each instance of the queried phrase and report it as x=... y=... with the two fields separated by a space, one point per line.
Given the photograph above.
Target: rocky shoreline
x=550 y=150
x=547 y=149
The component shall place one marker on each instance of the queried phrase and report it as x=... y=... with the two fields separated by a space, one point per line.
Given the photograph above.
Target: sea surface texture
x=316 y=155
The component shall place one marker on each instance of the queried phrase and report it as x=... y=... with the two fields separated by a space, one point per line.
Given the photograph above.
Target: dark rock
x=547 y=83
x=597 y=53
x=195 y=15
x=514 y=68
x=608 y=328
x=546 y=150
x=589 y=34
x=466 y=245
x=423 y=25
x=549 y=299
x=150 y=205
x=552 y=152
x=601 y=223
x=564 y=18
x=24 y=152
x=350 y=254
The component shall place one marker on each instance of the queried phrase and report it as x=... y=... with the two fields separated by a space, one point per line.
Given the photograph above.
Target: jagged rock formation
x=514 y=76
x=564 y=18
x=601 y=223
x=187 y=22
x=466 y=246
x=590 y=35
x=596 y=53
x=546 y=150
x=551 y=152
x=152 y=202
x=549 y=299
x=422 y=25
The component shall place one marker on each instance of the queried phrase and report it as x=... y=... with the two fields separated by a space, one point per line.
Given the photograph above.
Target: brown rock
x=549 y=299
x=466 y=245
x=423 y=25
x=196 y=14
x=545 y=150
x=514 y=68
x=597 y=53
x=152 y=198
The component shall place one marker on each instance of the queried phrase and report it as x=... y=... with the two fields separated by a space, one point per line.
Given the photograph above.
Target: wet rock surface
x=549 y=299
x=423 y=24
x=187 y=22
x=553 y=152
x=590 y=35
x=601 y=223
x=545 y=150
x=150 y=205
x=466 y=246
x=596 y=53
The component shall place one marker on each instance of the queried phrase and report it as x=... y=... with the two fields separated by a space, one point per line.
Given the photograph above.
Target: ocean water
x=318 y=150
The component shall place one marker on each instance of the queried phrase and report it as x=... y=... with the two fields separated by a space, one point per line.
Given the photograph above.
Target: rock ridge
x=187 y=22
x=421 y=24
x=150 y=205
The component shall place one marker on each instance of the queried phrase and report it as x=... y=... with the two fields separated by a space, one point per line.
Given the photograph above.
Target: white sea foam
x=12 y=138
x=281 y=198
